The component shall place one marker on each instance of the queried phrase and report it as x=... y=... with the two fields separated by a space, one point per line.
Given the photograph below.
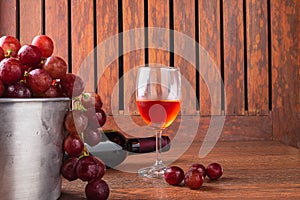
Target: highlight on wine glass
x=158 y=98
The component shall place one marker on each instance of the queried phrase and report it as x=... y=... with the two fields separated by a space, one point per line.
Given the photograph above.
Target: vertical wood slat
x=30 y=20
x=209 y=32
x=107 y=49
x=82 y=40
x=158 y=16
x=257 y=57
x=184 y=22
x=133 y=17
x=285 y=54
x=233 y=57
x=56 y=26
x=8 y=18
x=285 y=41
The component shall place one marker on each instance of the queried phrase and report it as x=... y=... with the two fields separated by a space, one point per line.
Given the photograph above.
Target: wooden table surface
x=252 y=170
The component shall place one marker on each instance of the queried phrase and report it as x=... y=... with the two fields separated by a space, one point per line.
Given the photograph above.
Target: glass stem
x=158 y=148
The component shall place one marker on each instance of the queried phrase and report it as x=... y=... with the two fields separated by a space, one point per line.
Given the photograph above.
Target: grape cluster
x=82 y=123
x=195 y=175
x=31 y=70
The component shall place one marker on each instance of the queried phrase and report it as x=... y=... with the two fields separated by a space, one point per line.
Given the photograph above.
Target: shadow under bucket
x=31 y=147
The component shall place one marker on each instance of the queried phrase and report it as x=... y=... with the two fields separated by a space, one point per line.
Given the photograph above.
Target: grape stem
x=8 y=53
x=77 y=104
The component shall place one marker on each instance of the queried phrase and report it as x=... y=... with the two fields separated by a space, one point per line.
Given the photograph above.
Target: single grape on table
x=174 y=175
x=193 y=179
x=214 y=171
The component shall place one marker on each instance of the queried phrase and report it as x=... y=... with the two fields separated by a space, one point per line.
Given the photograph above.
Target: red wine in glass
x=162 y=112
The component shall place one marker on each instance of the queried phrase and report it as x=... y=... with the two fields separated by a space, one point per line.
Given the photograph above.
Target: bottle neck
x=136 y=145
x=147 y=145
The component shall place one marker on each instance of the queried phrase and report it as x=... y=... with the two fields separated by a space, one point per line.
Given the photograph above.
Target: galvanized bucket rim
x=13 y=100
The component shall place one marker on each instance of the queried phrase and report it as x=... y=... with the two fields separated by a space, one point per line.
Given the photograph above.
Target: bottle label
x=149 y=144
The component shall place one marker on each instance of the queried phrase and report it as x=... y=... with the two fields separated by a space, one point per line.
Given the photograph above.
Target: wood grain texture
x=285 y=29
x=134 y=38
x=56 y=15
x=107 y=54
x=257 y=57
x=82 y=38
x=158 y=17
x=252 y=170
x=234 y=57
x=184 y=23
x=8 y=18
x=30 y=20
x=209 y=40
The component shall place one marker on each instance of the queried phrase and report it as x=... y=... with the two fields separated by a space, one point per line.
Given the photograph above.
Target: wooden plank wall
x=254 y=45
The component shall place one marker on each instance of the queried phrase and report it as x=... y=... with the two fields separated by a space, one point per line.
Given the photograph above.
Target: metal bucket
x=31 y=138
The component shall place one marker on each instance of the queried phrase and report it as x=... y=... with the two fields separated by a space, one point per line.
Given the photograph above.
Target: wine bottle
x=136 y=145
x=115 y=147
x=109 y=152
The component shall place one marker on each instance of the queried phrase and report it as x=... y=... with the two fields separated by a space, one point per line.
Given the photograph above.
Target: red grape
x=10 y=71
x=45 y=44
x=57 y=86
x=72 y=85
x=91 y=100
x=30 y=55
x=92 y=136
x=87 y=169
x=198 y=167
x=18 y=90
x=102 y=167
x=75 y=121
x=193 y=179
x=96 y=118
x=38 y=81
x=68 y=169
x=2 y=88
x=2 y=55
x=174 y=175
x=214 y=171
x=97 y=190
x=51 y=92
x=10 y=45
x=55 y=66
x=101 y=117
x=73 y=145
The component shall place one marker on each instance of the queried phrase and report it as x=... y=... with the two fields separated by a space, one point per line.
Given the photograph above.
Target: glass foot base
x=156 y=171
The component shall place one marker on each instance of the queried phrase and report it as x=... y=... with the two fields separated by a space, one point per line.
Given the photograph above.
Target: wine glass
x=158 y=98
